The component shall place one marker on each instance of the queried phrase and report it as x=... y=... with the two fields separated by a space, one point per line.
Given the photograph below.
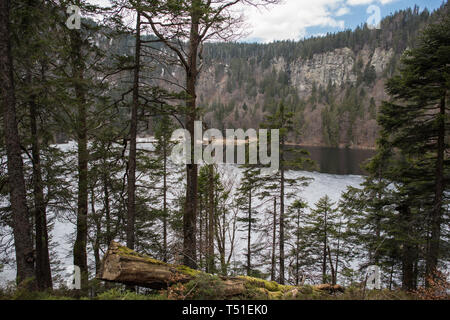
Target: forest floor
x=118 y=293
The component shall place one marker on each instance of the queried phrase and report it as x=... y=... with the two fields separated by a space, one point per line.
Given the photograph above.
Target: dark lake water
x=342 y=161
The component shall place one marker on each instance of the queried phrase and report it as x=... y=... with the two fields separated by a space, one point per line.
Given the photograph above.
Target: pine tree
x=416 y=121
x=21 y=224
x=296 y=238
x=283 y=121
x=31 y=56
x=163 y=131
x=322 y=231
x=248 y=191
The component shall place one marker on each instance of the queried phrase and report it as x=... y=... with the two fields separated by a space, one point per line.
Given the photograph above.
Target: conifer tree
x=163 y=132
x=20 y=217
x=296 y=239
x=416 y=122
x=283 y=121
x=248 y=191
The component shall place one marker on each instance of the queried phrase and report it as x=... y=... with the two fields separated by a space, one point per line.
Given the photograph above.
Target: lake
x=341 y=161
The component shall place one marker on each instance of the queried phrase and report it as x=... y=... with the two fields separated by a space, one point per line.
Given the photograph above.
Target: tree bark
x=333 y=274
x=282 y=217
x=249 y=234
x=190 y=214
x=78 y=68
x=98 y=229
x=325 y=244
x=109 y=235
x=20 y=215
x=131 y=186
x=436 y=214
x=338 y=248
x=43 y=270
x=165 y=213
x=407 y=250
x=297 y=250
x=211 y=222
x=201 y=236
x=274 y=241
x=283 y=139
x=222 y=243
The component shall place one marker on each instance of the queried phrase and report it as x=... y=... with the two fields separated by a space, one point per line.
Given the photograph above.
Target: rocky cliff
x=333 y=84
x=246 y=98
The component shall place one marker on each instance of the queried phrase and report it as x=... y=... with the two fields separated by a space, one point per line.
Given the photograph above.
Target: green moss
x=124 y=251
x=269 y=285
x=188 y=271
x=277 y=295
x=118 y=294
x=205 y=287
x=306 y=289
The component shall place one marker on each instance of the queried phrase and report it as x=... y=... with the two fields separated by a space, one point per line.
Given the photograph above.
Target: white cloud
x=359 y=2
x=342 y=11
x=290 y=19
x=367 y=2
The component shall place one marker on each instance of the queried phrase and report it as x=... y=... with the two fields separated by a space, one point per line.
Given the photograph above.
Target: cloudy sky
x=298 y=19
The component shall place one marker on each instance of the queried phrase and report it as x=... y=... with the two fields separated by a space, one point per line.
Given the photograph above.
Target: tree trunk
x=43 y=271
x=98 y=230
x=297 y=250
x=211 y=222
x=190 y=214
x=282 y=205
x=109 y=235
x=79 y=250
x=200 y=214
x=333 y=274
x=249 y=234
x=436 y=214
x=338 y=249
x=222 y=248
x=407 y=250
x=131 y=187
x=125 y=266
x=165 y=214
x=20 y=215
x=325 y=244
x=282 y=227
x=274 y=241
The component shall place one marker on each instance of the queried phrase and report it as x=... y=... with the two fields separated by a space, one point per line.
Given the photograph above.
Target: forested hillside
x=334 y=84
x=83 y=185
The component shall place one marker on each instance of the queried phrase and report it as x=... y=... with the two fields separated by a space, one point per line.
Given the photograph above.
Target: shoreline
x=318 y=145
x=151 y=139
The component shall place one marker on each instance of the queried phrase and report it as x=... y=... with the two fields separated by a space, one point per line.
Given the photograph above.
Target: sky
x=299 y=19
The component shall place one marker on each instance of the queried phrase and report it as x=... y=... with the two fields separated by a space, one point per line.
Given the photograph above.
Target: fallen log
x=123 y=265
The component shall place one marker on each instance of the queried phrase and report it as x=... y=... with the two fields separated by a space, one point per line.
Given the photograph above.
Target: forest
x=88 y=107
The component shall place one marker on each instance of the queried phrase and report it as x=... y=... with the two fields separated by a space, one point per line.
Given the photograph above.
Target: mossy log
x=123 y=265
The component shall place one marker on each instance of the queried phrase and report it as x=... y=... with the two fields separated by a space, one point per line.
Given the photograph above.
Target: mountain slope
x=333 y=83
